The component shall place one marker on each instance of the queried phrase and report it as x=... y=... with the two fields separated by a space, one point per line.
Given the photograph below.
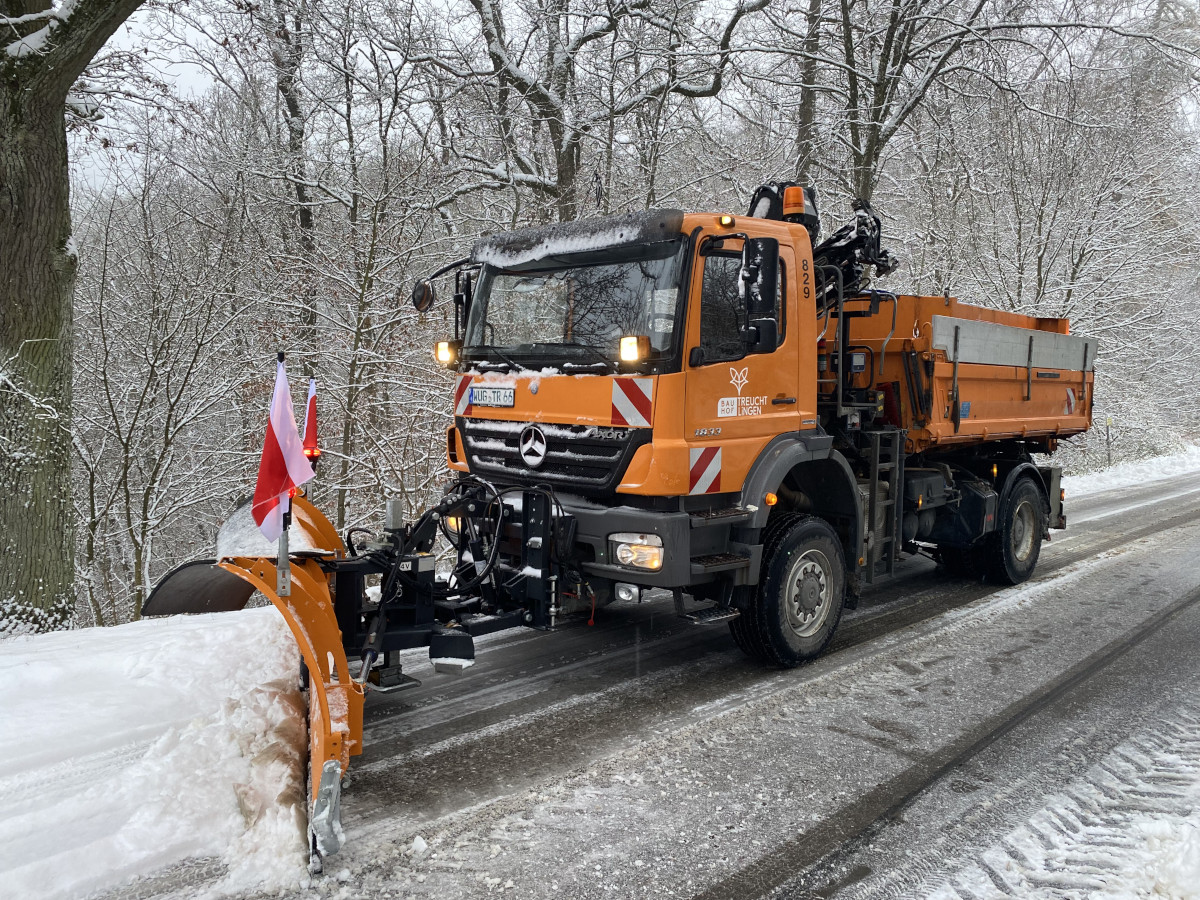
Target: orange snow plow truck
x=717 y=406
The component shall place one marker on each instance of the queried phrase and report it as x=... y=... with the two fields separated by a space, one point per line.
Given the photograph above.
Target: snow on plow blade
x=246 y=562
x=201 y=586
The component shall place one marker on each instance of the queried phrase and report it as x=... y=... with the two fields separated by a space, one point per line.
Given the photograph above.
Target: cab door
x=736 y=400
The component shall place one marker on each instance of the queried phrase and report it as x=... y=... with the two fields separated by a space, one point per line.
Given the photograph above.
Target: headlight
x=638 y=551
x=453 y=524
x=634 y=348
x=446 y=352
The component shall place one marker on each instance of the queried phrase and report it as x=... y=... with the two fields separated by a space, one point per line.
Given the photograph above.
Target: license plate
x=490 y=396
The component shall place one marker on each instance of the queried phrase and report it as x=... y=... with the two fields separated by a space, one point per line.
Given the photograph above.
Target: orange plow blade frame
x=335 y=700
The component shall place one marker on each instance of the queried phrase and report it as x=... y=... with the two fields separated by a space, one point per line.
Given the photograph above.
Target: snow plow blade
x=246 y=562
x=335 y=700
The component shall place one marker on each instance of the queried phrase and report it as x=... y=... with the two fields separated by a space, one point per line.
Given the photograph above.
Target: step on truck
x=718 y=406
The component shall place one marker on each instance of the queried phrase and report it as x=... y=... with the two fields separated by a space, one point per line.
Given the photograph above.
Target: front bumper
x=595 y=523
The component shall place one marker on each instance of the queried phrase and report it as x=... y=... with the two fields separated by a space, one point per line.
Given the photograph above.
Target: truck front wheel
x=1013 y=550
x=800 y=594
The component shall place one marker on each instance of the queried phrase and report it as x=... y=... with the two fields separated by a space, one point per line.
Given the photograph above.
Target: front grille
x=582 y=459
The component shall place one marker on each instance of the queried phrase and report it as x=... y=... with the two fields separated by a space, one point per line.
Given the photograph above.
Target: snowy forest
x=256 y=175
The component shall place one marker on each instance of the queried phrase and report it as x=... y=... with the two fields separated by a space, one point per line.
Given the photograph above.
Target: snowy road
x=957 y=741
x=646 y=757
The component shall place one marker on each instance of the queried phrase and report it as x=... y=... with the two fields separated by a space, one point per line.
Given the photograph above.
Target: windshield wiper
x=492 y=348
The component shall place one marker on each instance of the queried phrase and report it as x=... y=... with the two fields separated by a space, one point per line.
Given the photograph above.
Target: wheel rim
x=809 y=593
x=1024 y=531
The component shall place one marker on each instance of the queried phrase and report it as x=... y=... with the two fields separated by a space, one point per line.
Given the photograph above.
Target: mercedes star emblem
x=533 y=446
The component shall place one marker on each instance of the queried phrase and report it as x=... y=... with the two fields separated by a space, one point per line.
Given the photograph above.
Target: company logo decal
x=533 y=446
x=727 y=407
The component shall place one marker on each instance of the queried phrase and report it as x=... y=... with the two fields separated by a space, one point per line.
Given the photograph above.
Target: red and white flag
x=283 y=467
x=311 y=449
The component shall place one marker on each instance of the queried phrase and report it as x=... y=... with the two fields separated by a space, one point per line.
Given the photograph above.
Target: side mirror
x=762 y=336
x=422 y=295
x=760 y=276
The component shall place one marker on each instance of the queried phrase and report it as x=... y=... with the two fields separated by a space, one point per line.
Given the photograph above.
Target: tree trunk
x=287 y=57
x=806 y=130
x=42 y=52
x=37 y=279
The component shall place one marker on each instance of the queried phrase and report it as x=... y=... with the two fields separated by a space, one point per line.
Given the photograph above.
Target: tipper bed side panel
x=1016 y=376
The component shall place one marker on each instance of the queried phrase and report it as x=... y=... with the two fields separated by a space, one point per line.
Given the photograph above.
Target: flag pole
x=283 y=565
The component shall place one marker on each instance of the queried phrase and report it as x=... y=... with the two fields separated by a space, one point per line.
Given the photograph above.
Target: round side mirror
x=422 y=296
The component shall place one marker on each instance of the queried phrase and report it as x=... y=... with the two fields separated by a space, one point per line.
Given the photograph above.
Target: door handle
x=783 y=401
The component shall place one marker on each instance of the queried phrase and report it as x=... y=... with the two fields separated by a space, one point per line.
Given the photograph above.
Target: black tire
x=745 y=628
x=801 y=593
x=1011 y=553
x=737 y=627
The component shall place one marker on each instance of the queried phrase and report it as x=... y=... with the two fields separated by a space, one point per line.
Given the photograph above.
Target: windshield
x=577 y=313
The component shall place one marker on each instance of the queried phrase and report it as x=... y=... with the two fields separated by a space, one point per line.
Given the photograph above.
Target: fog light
x=638 y=551
x=626 y=592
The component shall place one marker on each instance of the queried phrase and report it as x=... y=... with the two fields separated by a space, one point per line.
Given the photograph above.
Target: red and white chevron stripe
x=632 y=401
x=705 y=470
x=462 y=396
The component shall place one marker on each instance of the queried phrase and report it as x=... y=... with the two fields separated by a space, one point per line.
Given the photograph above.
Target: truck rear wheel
x=1012 y=551
x=800 y=595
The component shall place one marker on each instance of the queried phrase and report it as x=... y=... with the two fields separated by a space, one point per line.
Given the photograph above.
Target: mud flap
x=199 y=586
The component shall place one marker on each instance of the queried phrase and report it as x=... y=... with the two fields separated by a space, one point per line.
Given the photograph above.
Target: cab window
x=722 y=312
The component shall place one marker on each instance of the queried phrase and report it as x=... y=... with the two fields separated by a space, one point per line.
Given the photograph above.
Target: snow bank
x=1167 y=862
x=129 y=750
x=1133 y=473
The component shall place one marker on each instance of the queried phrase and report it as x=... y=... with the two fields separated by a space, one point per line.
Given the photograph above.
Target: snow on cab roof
x=515 y=248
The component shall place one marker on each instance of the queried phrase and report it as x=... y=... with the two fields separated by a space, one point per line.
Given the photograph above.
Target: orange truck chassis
x=718 y=406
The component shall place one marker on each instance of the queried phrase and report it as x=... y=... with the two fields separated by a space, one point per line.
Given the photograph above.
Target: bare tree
x=155 y=330
x=545 y=105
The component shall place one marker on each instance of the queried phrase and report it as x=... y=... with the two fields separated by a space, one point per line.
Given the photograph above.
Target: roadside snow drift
x=1136 y=472
x=130 y=749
